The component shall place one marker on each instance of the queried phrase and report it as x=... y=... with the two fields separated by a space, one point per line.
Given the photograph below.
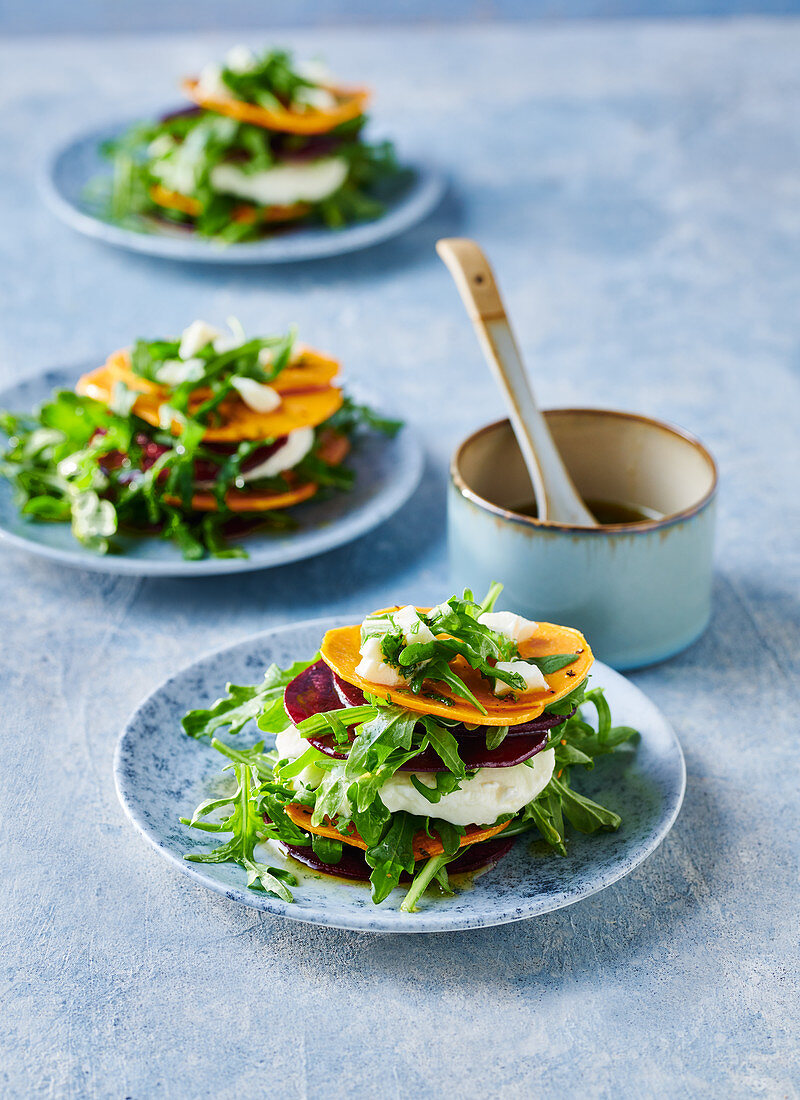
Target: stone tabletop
x=637 y=187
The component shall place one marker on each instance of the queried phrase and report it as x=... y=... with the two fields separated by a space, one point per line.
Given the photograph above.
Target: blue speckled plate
x=387 y=473
x=69 y=171
x=162 y=774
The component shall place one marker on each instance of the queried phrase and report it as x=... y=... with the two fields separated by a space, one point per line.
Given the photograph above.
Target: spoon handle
x=557 y=499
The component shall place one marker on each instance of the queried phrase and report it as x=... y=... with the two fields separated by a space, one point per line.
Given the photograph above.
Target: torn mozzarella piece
x=490 y=793
x=227 y=341
x=534 y=680
x=284 y=185
x=240 y=59
x=412 y=626
x=256 y=395
x=291 y=745
x=210 y=84
x=507 y=623
x=372 y=666
x=298 y=444
x=317 y=99
x=160 y=146
x=406 y=620
x=174 y=372
x=314 y=70
x=198 y=335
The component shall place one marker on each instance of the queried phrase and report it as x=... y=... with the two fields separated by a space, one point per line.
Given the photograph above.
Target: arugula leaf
x=449 y=834
x=326 y=849
x=444 y=745
x=495 y=736
x=392 y=855
x=243 y=703
x=581 y=812
x=422 y=880
x=245 y=825
x=444 y=783
x=553 y=662
x=333 y=799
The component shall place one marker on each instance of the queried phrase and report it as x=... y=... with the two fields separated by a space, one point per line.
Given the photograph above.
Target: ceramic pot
x=639 y=592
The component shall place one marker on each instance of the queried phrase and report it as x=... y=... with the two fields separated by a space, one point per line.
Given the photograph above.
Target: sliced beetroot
x=312 y=692
x=317 y=689
x=473 y=753
x=350 y=695
x=353 y=865
x=180 y=112
x=206 y=469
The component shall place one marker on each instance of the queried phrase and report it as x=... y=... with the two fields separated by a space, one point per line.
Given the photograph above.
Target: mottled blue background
x=637 y=185
x=116 y=16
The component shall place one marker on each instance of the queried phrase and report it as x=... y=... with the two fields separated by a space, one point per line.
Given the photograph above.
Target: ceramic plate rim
x=422 y=922
x=424 y=195
x=330 y=537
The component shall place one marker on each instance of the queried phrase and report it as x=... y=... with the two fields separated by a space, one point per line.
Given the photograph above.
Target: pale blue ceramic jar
x=639 y=592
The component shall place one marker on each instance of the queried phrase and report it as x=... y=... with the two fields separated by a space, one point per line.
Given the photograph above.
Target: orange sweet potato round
x=308 y=399
x=244 y=212
x=250 y=500
x=352 y=102
x=424 y=846
x=340 y=651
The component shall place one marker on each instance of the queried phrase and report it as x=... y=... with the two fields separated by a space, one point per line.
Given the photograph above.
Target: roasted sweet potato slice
x=244 y=212
x=308 y=370
x=351 y=102
x=305 y=403
x=251 y=500
x=424 y=845
x=340 y=651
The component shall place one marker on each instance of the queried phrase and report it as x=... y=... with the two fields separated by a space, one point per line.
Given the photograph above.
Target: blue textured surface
x=99 y=16
x=75 y=166
x=387 y=471
x=161 y=775
x=637 y=189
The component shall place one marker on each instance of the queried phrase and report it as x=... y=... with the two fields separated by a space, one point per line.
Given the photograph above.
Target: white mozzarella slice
x=256 y=395
x=291 y=745
x=174 y=372
x=210 y=83
x=534 y=680
x=298 y=444
x=198 y=335
x=283 y=185
x=414 y=629
x=512 y=626
x=319 y=99
x=481 y=800
x=240 y=59
x=373 y=668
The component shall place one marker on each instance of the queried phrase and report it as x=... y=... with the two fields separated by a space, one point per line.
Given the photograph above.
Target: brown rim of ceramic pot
x=628 y=528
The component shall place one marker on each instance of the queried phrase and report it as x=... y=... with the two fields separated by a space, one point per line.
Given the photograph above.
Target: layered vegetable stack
x=269 y=142
x=414 y=747
x=179 y=436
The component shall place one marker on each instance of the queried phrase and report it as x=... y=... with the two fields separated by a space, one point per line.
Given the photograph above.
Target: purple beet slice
x=353 y=865
x=316 y=689
x=350 y=695
x=473 y=752
x=312 y=692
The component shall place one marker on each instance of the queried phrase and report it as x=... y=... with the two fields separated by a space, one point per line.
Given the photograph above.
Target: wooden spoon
x=557 y=499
